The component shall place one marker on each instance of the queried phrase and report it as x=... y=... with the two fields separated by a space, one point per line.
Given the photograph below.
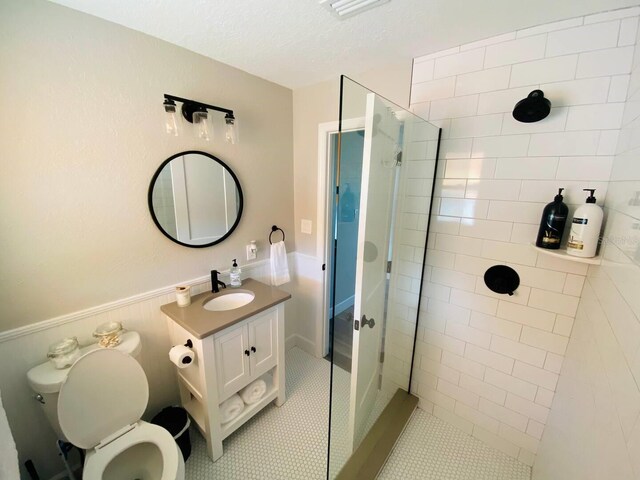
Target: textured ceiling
x=298 y=42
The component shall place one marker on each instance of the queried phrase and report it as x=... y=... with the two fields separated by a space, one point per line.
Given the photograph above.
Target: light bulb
x=170 y=117
x=231 y=129
x=204 y=130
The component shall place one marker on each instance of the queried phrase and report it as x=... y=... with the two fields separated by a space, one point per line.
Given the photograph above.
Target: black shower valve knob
x=502 y=279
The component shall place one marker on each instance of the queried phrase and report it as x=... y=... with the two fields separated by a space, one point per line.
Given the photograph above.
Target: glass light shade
x=202 y=122
x=231 y=130
x=171 y=119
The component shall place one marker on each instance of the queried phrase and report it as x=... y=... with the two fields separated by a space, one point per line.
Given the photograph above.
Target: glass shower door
x=385 y=166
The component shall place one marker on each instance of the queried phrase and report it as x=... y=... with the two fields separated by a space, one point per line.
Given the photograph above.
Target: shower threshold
x=369 y=458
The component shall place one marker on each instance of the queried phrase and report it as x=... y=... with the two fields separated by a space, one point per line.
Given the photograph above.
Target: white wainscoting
x=25 y=347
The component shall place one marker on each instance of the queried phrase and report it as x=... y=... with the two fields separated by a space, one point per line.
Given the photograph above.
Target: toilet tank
x=45 y=380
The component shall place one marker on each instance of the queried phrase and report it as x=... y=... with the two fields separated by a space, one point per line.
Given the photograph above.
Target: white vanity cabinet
x=245 y=352
x=227 y=361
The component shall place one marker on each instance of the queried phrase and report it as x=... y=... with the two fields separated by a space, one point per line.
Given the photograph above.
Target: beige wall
x=82 y=134
x=318 y=104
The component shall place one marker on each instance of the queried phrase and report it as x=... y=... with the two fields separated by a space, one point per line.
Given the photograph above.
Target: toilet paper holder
x=182 y=355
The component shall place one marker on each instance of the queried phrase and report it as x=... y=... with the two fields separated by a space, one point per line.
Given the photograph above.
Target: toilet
x=99 y=404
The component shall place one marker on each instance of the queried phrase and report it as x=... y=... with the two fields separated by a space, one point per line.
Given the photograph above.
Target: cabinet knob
x=247 y=353
x=253 y=349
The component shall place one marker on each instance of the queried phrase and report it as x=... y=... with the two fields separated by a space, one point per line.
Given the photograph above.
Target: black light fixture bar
x=192 y=105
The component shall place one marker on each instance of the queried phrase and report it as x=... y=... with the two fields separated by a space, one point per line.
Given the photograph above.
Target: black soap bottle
x=554 y=218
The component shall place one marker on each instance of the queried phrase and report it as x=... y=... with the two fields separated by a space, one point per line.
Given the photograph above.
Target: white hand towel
x=9 y=469
x=231 y=408
x=253 y=392
x=279 y=264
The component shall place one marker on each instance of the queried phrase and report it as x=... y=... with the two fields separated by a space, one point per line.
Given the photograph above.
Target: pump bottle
x=552 y=223
x=234 y=274
x=585 y=228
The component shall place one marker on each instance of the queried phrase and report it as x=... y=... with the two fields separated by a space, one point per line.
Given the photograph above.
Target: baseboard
x=342 y=306
x=290 y=342
x=306 y=345
x=301 y=342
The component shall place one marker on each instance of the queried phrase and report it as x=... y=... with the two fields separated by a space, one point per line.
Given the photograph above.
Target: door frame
x=324 y=203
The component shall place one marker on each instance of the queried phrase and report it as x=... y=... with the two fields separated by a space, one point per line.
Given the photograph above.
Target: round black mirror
x=195 y=199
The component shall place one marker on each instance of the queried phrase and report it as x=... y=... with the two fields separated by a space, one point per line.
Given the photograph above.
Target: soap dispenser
x=585 y=228
x=554 y=218
x=234 y=273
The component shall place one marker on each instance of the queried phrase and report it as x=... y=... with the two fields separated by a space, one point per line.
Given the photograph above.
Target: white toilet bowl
x=144 y=453
x=99 y=409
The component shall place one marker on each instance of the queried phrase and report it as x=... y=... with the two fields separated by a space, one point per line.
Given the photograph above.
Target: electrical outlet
x=251 y=254
x=306 y=226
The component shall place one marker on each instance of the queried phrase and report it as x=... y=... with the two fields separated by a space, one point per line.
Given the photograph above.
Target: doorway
x=344 y=220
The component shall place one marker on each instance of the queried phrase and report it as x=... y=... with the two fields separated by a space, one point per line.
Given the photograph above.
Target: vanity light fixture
x=199 y=114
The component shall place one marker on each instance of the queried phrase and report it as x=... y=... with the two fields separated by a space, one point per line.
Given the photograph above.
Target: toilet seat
x=105 y=391
x=99 y=409
x=173 y=463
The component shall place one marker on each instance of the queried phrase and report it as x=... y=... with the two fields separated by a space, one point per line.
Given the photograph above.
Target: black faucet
x=215 y=282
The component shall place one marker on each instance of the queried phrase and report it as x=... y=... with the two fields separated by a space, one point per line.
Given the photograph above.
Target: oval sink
x=229 y=301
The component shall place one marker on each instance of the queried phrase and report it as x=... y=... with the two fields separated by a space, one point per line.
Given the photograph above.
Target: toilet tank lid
x=45 y=378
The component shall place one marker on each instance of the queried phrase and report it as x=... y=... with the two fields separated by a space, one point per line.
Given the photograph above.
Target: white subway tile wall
x=488 y=363
x=593 y=429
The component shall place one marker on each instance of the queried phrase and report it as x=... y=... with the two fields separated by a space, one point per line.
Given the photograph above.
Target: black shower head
x=533 y=108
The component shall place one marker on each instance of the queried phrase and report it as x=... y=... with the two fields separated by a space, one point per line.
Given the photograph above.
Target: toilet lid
x=105 y=391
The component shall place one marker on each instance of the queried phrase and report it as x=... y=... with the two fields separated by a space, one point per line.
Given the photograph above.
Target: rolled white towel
x=231 y=408
x=253 y=392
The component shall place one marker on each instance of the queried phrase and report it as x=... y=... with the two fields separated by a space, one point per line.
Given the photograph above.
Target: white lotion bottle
x=585 y=228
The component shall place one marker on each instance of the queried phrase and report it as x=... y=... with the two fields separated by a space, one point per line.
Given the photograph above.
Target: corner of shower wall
x=598 y=439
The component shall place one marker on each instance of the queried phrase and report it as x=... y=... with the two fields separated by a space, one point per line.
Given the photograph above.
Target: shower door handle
x=365 y=321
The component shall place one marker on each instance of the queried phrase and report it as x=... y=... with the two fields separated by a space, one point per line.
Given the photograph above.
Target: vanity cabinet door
x=232 y=360
x=263 y=337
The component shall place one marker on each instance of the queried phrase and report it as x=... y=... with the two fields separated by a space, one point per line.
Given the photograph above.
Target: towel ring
x=275 y=228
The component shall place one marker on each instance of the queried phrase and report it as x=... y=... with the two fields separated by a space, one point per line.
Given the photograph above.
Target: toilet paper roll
x=182 y=356
x=183 y=296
